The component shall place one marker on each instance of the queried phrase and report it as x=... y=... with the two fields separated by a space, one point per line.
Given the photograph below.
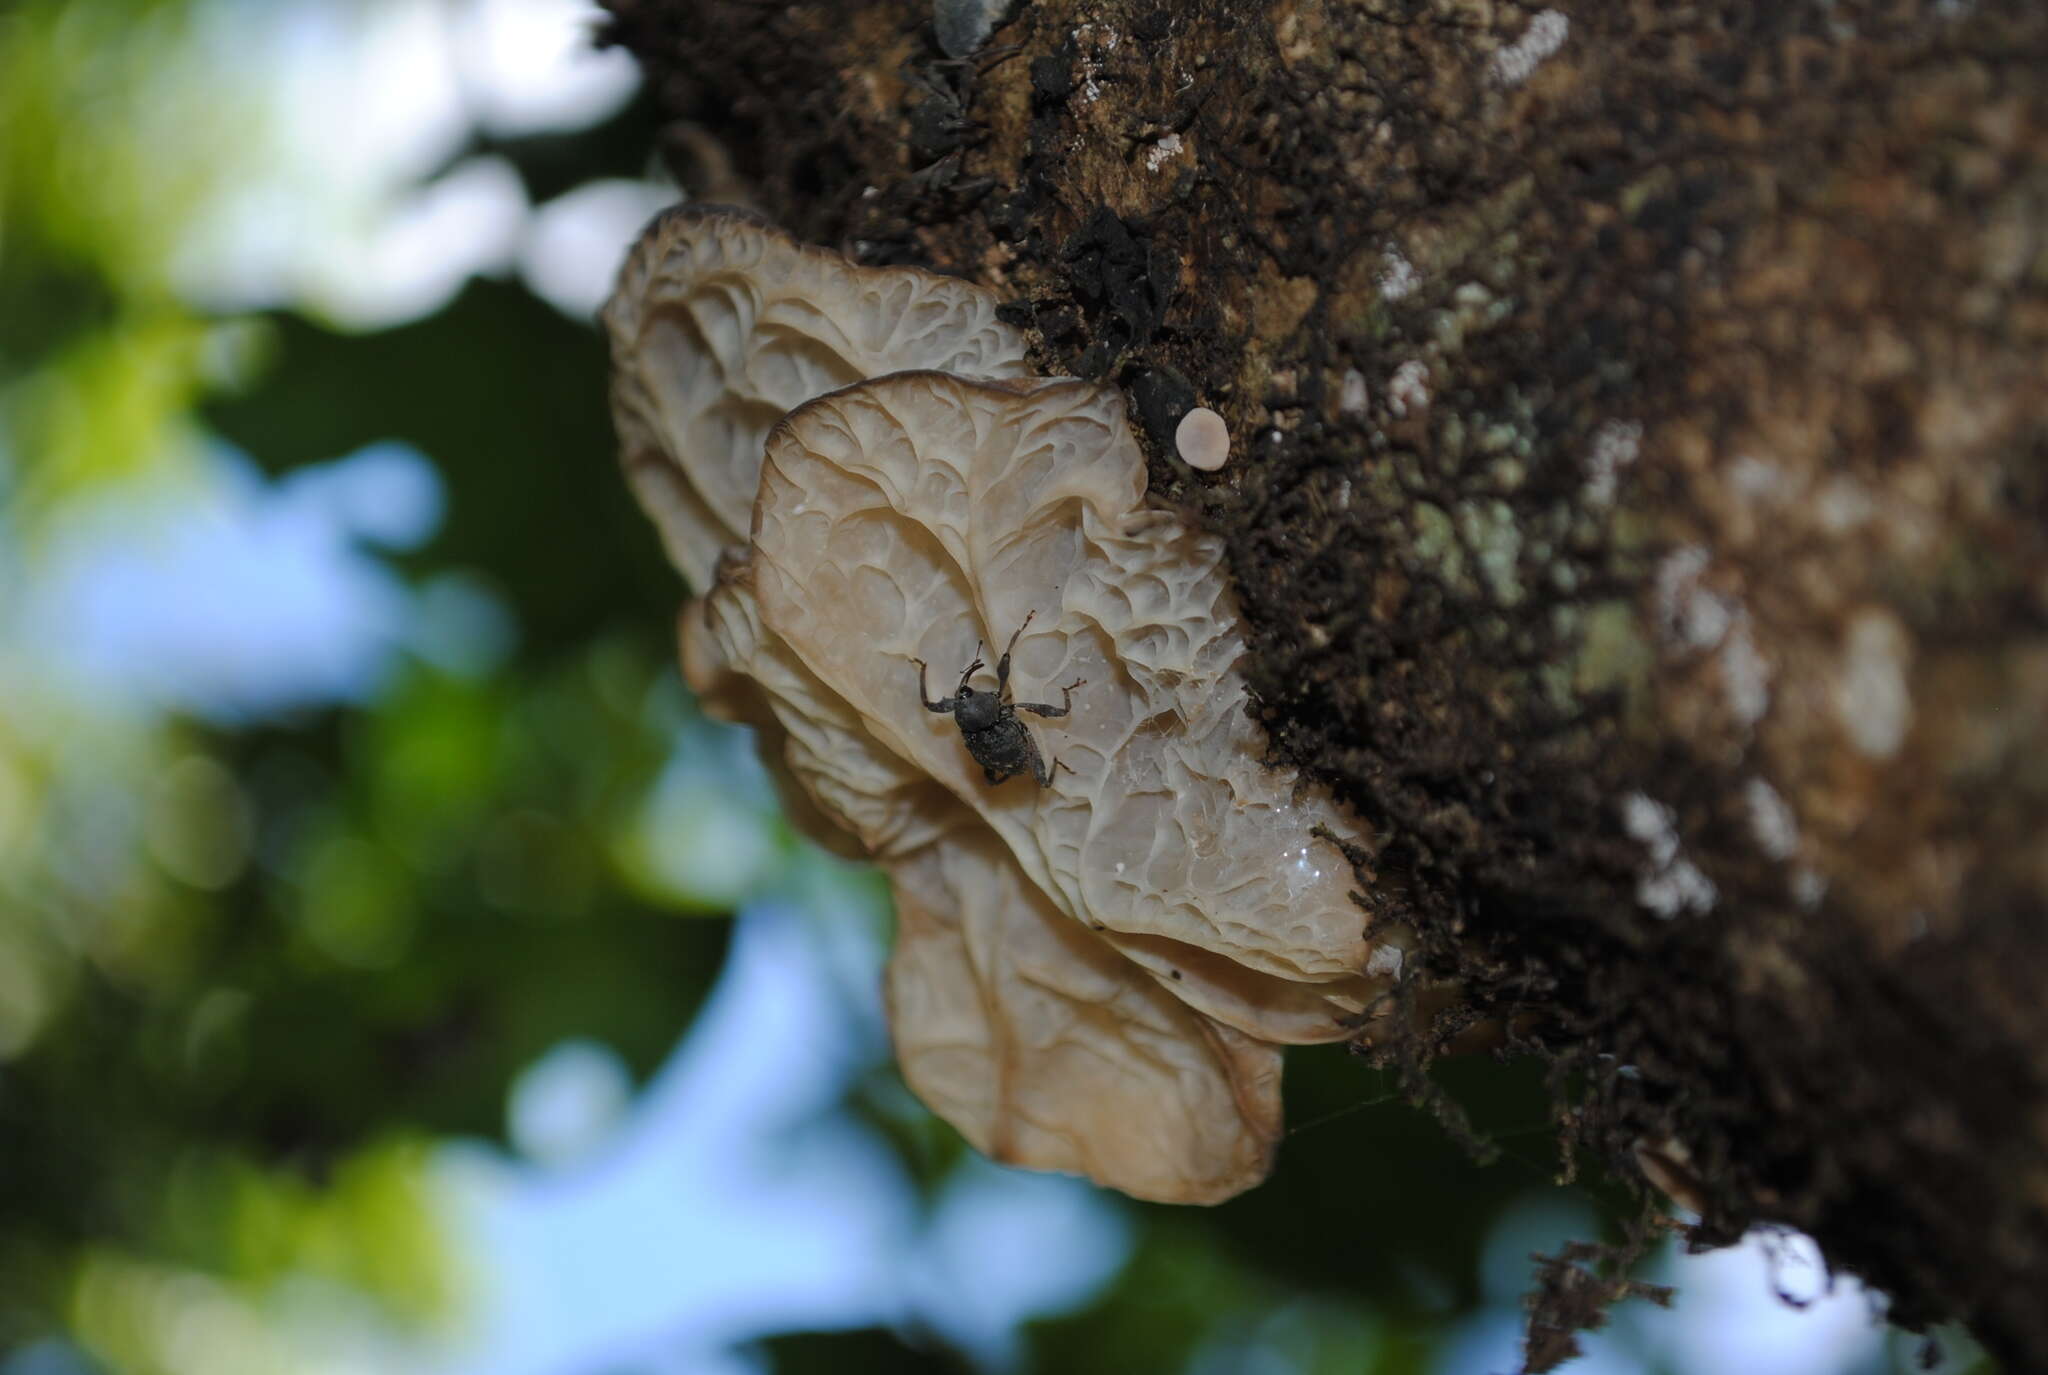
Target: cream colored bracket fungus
x=852 y=467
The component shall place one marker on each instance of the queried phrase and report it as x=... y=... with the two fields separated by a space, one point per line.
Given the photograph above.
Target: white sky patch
x=736 y=1200
x=1616 y=445
x=363 y=100
x=527 y=66
x=731 y=1202
x=231 y=596
x=415 y=257
x=1871 y=696
x=705 y=834
x=1546 y=33
x=983 y=1267
x=1670 y=883
x=1398 y=277
x=367 y=93
x=576 y=242
x=1408 y=388
x=1731 y=1320
x=1771 y=820
x=1160 y=153
x=1491 y=1338
x=567 y=1102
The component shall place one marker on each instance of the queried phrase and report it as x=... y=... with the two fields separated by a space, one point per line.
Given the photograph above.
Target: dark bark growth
x=1639 y=501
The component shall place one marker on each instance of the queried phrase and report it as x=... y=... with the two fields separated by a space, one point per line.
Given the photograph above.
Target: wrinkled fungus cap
x=912 y=515
x=722 y=324
x=1094 y=976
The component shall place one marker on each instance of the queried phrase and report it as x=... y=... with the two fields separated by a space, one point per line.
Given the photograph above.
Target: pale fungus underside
x=1093 y=976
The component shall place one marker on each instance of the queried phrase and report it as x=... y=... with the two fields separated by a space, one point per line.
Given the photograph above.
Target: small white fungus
x=1157 y=155
x=1203 y=439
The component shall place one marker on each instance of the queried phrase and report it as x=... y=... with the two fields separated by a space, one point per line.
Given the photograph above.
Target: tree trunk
x=1639 y=501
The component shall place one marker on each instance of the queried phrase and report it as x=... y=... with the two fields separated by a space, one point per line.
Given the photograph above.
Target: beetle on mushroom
x=1101 y=983
x=988 y=721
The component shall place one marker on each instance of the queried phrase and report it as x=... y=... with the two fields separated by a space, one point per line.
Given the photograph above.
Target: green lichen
x=1489 y=530
x=1436 y=543
x=1613 y=655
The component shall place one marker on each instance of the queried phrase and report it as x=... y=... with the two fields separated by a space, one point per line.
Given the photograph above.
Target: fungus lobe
x=1095 y=976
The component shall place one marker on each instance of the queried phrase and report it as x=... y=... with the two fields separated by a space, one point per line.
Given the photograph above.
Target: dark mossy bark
x=1640 y=504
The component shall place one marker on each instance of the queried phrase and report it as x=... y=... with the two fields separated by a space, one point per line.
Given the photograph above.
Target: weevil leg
x=924 y=693
x=1003 y=664
x=1041 y=770
x=1047 y=709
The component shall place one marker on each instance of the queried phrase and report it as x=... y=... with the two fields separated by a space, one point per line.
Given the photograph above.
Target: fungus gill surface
x=1094 y=976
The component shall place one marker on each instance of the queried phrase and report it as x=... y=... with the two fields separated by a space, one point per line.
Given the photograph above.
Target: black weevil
x=989 y=724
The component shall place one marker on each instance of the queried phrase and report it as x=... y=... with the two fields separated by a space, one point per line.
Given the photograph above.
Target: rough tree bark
x=1640 y=502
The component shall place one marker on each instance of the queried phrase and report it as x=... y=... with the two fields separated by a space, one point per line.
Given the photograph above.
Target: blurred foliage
x=105 y=361
x=252 y=974
x=247 y=976
x=509 y=399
